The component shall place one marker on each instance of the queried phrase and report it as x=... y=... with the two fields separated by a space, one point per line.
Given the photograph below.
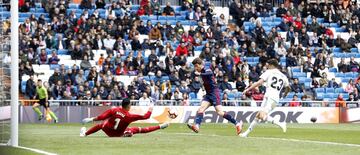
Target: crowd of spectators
x=225 y=44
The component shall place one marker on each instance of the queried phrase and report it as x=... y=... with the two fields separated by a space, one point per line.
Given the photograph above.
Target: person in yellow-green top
x=42 y=96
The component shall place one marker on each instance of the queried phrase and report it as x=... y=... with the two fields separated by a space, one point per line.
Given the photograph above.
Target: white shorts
x=268 y=104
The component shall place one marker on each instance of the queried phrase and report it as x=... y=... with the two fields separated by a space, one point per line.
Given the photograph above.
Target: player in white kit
x=274 y=81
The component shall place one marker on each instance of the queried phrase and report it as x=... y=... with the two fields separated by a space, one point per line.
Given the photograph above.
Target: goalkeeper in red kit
x=116 y=121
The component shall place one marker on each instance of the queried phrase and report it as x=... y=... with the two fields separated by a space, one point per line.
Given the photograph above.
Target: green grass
x=16 y=151
x=177 y=139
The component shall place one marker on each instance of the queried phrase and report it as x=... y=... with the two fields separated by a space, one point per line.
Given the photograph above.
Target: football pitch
x=178 y=139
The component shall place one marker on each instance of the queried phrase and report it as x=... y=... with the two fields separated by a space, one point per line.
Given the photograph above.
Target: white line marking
x=272 y=138
x=31 y=149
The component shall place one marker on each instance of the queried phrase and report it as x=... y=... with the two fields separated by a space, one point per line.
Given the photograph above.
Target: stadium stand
x=128 y=54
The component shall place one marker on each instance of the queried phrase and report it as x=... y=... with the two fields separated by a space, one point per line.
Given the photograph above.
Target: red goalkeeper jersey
x=119 y=119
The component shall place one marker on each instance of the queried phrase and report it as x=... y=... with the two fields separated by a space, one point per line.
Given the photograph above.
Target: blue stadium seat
x=164 y=78
x=354 y=50
x=308 y=80
x=319 y=90
x=277 y=19
x=152 y=17
x=357 y=55
x=330 y=90
x=23 y=86
x=337 y=50
x=180 y=18
x=296 y=70
x=231 y=96
x=135 y=7
x=91 y=84
x=199 y=48
x=170 y=18
x=73 y=6
x=339 y=90
x=348 y=75
x=62 y=52
x=144 y=18
x=321 y=20
x=333 y=69
x=345 y=80
x=38 y=5
x=329 y=95
x=355 y=75
x=256 y=59
x=340 y=75
x=283 y=59
x=53 y=66
x=340 y=29
x=307 y=85
x=334 y=25
x=345 y=96
x=319 y=96
x=290 y=95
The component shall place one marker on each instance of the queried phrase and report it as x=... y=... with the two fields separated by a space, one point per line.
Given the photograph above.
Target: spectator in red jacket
x=182 y=49
x=295 y=102
x=141 y=11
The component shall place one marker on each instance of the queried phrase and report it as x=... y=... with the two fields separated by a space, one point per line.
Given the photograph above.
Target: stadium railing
x=251 y=103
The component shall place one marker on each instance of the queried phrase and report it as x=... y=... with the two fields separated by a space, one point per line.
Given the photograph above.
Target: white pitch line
x=31 y=149
x=272 y=138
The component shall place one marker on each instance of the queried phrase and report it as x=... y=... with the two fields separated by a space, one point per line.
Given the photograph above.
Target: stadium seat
x=302 y=80
x=335 y=25
x=307 y=85
x=330 y=90
x=339 y=90
x=91 y=84
x=231 y=96
x=23 y=86
x=73 y=6
x=337 y=50
x=340 y=75
x=333 y=69
x=290 y=95
x=53 y=66
x=192 y=95
x=319 y=96
x=144 y=18
x=62 y=52
x=164 y=78
x=170 y=18
x=345 y=80
x=328 y=95
x=153 y=18
x=345 y=95
x=180 y=18
x=319 y=90
x=296 y=70
x=354 y=50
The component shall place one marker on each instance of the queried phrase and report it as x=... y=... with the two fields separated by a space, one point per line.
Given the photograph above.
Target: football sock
x=94 y=129
x=252 y=125
x=230 y=118
x=52 y=114
x=198 y=119
x=148 y=129
x=270 y=119
x=37 y=110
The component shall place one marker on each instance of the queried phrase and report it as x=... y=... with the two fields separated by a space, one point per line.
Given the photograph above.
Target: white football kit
x=275 y=81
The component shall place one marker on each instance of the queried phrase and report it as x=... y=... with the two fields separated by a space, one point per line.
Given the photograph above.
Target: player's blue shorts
x=213 y=98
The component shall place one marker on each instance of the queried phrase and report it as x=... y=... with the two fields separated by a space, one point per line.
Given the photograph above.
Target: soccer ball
x=172 y=113
x=48 y=118
x=313 y=119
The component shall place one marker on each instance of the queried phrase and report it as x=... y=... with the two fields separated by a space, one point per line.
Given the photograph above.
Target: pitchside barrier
x=73 y=111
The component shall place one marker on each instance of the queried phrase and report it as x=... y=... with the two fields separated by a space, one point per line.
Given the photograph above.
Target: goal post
x=14 y=135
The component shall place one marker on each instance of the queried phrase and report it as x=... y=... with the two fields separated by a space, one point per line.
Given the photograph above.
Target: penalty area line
x=31 y=149
x=270 y=138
